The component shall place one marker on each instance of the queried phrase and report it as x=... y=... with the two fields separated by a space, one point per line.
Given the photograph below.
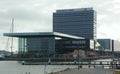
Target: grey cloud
x=21 y=13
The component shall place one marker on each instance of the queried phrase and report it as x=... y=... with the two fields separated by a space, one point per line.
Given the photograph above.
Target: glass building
x=109 y=44
x=39 y=44
x=106 y=44
x=79 y=22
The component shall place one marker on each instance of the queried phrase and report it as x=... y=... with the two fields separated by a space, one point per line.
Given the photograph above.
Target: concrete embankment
x=86 y=71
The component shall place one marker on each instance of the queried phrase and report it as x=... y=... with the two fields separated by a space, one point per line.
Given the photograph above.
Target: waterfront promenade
x=87 y=71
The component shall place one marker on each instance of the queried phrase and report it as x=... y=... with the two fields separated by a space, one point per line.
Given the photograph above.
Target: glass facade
x=37 y=47
x=22 y=46
x=106 y=44
x=77 y=22
x=65 y=46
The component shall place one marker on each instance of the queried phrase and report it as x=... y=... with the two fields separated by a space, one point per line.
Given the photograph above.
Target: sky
x=36 y=16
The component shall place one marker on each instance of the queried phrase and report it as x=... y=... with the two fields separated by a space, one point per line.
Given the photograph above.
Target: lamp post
x=45 y=69
x=78 y=59
x=112 y=52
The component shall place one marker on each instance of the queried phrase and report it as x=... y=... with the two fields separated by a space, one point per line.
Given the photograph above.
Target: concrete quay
x=86 y=71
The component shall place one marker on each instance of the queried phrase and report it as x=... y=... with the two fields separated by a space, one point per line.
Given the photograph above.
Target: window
x=78 y=42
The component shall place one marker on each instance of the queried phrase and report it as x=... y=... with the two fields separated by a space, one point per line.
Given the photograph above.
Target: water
x=14 y=67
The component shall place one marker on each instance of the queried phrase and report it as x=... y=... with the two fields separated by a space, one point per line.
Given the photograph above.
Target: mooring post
x=94 y=64
x=89 y=64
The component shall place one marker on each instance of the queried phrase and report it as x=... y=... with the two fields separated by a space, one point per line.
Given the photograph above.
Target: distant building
x=79 y=22
x=116 y=45
x=109 y=44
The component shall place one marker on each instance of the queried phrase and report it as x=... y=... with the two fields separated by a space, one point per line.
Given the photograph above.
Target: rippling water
x=14 y=67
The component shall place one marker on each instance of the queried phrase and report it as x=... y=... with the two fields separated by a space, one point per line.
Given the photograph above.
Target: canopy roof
x=42 y=34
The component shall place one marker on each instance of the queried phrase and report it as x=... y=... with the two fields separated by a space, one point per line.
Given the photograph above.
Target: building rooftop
x=42 y=34
x=77 y=9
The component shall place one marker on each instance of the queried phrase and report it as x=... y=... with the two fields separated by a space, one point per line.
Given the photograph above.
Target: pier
x=81 y=62
x=56 y=59
x=89 y=64
x=86 y=71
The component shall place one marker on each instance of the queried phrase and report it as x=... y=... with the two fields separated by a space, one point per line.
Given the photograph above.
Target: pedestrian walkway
x=87 y=71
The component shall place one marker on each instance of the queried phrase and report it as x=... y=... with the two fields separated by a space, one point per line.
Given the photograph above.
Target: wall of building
x=36 y=47
x=78 y=22
x=65 y=46
x=108 y=44
x=116 y=45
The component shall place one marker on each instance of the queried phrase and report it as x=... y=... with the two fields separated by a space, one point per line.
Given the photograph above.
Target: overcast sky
x=36 y=16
